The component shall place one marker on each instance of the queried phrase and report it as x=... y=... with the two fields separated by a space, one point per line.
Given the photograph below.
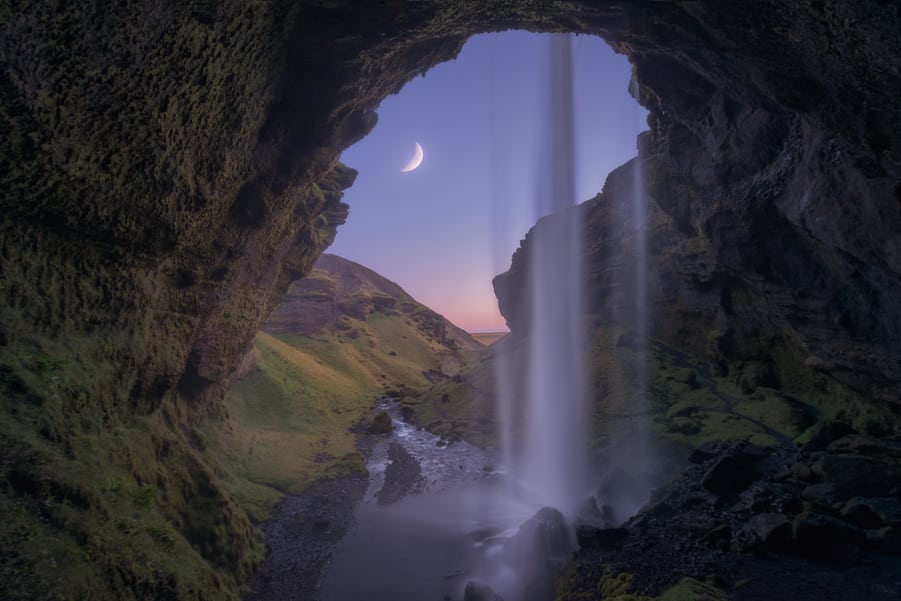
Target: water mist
x=542 y=408
x=551 y=464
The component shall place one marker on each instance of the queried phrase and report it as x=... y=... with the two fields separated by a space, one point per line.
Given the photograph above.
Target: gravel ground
x=300 y=538
x=403 y=476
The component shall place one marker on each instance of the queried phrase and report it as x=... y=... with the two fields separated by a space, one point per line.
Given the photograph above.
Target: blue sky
x=444 y=230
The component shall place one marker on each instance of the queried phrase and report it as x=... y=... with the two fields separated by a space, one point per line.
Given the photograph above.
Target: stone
x=872 y=512
x=767 y=532
x=823 y=495
x=801 y=471
x=621 y=493
x=408 y=412
x=887 y=537
x=589 y=514
x=823 y=536
x=607 y=539
x=478 y=591
x=545 y=536
x=854 y=474
x=885 y=450
x=733 y=472
x=381 y=424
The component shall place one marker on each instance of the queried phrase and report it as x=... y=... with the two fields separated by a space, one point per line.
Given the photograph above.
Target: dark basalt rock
x=733 y=471
x=608 y=539
x=872 y=513
x=544 y=537
x=477 y=591
x=690 y=531
x=538 y=552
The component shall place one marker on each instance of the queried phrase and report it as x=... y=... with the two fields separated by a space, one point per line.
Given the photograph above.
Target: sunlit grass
x=289 y=422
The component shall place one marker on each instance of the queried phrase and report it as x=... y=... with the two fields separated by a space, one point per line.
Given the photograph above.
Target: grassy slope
x=289 y=421
x=97 y=506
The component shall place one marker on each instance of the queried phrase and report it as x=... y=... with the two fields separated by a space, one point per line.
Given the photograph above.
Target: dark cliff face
x=161 y=163
x=772 y=172
x=167 y=170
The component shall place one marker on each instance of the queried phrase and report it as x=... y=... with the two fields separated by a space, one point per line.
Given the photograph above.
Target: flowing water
x=429 y=544
x=551 y=463
x=475 y=516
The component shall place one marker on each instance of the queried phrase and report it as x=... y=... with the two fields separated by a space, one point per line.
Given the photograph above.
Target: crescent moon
x=415 y=161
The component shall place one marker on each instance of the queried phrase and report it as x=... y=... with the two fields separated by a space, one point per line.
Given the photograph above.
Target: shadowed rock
x=477 y=591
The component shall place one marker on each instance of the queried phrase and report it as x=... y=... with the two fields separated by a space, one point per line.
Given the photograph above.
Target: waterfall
x=542 y=389
x=551 y=464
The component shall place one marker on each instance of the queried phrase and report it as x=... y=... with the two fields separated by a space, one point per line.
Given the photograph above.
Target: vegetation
x=99 y=506
x=289 y=422
x=689 y=400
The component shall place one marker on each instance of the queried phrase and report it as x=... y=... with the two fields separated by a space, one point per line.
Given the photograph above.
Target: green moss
x=615 y=587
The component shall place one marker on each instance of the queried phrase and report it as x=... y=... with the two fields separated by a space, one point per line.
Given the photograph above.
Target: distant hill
x=339 y=296
x=340 y=339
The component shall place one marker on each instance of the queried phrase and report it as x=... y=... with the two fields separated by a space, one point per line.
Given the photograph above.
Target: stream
x=448 y=523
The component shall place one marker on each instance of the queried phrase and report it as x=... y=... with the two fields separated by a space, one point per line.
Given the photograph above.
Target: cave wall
x=160 y=160
x=168 y=168
x=772 y=172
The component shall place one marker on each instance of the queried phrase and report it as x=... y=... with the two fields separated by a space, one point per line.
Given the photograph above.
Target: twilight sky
x=444 y=230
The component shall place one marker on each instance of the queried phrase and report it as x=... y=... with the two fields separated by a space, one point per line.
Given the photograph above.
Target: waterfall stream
x=467 y=515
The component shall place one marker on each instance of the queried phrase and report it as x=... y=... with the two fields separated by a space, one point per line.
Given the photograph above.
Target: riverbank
x=301 y=536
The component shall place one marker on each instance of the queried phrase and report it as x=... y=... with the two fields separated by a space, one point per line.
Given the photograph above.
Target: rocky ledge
x=822 y=521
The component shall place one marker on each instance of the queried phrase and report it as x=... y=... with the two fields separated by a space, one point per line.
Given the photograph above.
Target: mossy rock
x=381 y=424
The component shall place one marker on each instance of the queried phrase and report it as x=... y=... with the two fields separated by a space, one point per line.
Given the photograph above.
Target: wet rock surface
x=767 y=537
x=477 y=591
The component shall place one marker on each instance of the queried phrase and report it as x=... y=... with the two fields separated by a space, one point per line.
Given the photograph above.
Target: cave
x=168 y=170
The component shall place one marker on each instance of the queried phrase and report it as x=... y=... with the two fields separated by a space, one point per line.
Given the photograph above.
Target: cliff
x=166 y=170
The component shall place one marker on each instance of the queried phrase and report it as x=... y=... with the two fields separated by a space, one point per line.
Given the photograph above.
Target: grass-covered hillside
x=342 y=338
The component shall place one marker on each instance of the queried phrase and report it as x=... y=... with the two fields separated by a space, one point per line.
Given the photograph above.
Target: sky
x=445 y=229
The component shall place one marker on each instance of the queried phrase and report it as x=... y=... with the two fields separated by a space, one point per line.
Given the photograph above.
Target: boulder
x=606 y=539
x=888 y=538
x=823 y=495
x=734 y=471
x=620 y=494
x=589 y=514
x=854 y=474
x=872 y=513
x=478 y=591
x=381 y=424
x=825 y=537
x=545 y=536
x=765 y=532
